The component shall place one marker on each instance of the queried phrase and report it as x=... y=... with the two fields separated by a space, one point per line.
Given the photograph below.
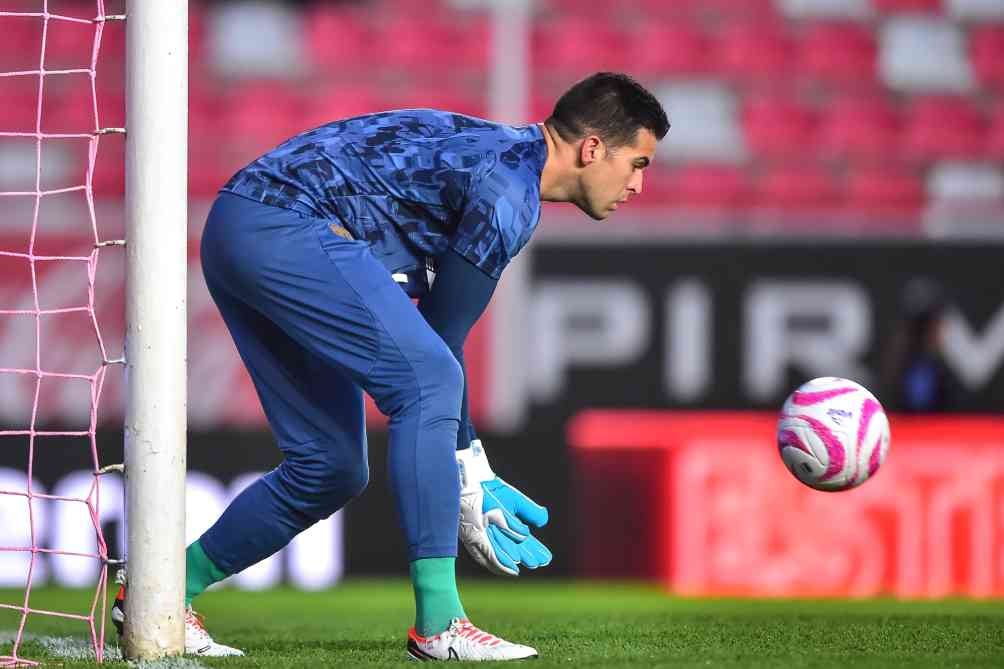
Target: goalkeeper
x=311 y=254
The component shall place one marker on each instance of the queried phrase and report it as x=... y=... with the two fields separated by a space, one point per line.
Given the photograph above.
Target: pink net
x=52 y=23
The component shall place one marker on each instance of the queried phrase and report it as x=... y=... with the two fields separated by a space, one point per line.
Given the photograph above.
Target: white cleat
x=197 y=639
x=465 y=642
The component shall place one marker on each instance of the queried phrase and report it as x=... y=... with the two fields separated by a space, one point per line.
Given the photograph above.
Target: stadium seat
x=725 y=9
x=889 y=6
x=838 y=52
x=337 y=39
x=884 y=191
x=705 y=114
x=825 y=9
x=449 y=98
x=754 y=50
x=21 y=43
x=995 y=140
x=778 y=127
x=68 y=109
x=924 y=54
x=109 y=168
x=576 y=47
x=658 y=49
x=19 y=110
x=975 y=10
x=860 y=129
x=943 y=127
x=702 y=186
x=337 y=102
x=68 y=45
x=431 y=44
x=987 y=54
x=962 y=182
x=796 y=188
x=261 y=113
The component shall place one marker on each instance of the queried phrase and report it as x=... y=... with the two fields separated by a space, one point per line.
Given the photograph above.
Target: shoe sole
x=417 y=654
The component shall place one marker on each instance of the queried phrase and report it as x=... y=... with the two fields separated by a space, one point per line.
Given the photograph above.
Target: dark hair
x=611 y=105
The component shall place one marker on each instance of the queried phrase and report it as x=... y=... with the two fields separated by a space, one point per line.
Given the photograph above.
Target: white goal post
x=156 y=205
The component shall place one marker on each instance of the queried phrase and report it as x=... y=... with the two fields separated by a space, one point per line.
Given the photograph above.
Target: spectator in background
x=917 y=378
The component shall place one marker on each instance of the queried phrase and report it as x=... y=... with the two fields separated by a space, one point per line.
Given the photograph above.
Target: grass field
x=363 y=624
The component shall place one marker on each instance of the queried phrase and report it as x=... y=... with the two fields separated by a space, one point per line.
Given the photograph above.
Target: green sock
x=200 y=572
x=437 y=601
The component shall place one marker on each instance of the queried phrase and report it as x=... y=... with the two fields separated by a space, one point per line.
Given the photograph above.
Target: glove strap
x=474 y=467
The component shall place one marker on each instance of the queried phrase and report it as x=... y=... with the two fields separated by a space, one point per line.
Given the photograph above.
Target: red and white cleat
x=464 y=642
x=197 y=639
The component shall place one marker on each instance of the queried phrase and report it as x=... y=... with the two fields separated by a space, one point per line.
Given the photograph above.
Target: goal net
x=51 y=133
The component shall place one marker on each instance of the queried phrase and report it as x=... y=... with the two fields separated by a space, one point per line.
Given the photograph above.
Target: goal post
x=156 y=208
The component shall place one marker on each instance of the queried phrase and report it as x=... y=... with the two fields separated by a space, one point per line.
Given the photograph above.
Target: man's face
x=611 y=176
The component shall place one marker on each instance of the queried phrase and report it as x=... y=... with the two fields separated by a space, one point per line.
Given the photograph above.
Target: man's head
x=612 y=124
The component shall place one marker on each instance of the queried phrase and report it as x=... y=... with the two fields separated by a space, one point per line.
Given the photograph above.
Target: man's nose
x=636 y=182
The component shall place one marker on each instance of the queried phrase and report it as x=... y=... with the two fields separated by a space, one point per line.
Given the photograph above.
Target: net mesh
x=34 y=258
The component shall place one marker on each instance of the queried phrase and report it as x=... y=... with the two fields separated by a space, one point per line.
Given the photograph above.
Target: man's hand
x=494 y=518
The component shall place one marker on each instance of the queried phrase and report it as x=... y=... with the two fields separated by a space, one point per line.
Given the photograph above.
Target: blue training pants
x=317 y=319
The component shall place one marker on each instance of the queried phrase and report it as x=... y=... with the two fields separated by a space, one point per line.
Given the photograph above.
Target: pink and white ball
x=832 y=434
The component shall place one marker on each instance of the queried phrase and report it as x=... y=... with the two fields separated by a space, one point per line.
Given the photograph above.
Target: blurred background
x=829 y=201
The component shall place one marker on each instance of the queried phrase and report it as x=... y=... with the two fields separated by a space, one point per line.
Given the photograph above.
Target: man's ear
x=591 y=150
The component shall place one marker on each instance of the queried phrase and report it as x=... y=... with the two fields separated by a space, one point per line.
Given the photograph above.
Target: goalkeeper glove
x=494 y=518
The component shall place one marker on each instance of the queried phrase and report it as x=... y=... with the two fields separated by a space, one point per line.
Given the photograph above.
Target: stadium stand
x=780 y=104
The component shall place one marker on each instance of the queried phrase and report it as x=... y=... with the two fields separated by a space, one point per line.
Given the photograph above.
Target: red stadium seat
x=448 y=98
x=337 y=39
x=21 y=45
x=68 y=45
x=261 y=114
x=196 y=33
x=718 y=9
x=797 y=188
x=702 y=186
x=109 y=167
x=338 y=102
x=943 y=127
x=411 y=43
x=907 y=5
x=68 y=110
x=656 y=49
x=859 y=128
x=838 y=52
x=754 y=50
x=884 y=191
x=995 y=140
x=20 y=107
x=577 y=46
x=987 y=55
x=778 y=127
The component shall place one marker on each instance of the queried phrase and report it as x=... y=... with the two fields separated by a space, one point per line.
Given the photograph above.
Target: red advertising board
x=717 y=513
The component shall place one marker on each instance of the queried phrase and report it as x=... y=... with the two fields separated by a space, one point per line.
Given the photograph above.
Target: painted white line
x=78 y=648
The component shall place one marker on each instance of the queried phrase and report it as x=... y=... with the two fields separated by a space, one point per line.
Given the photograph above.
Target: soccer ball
x=832 y=434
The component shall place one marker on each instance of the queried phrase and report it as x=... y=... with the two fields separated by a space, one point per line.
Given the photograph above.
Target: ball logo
x=839 y=415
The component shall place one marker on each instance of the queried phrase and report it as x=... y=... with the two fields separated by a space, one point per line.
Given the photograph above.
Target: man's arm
x=495 y=517
x=458 y=297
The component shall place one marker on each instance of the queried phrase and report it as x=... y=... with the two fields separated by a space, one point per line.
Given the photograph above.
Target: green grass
x=363 y=623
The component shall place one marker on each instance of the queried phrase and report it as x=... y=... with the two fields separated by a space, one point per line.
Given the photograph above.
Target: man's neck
x=555 y=185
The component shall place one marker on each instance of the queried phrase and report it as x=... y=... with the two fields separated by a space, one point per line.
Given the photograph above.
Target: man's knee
x=443 y=376
x=321 y=480
x=432 y=380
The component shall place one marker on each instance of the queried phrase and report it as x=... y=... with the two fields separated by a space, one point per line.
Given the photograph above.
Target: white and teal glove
x=495 y=518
